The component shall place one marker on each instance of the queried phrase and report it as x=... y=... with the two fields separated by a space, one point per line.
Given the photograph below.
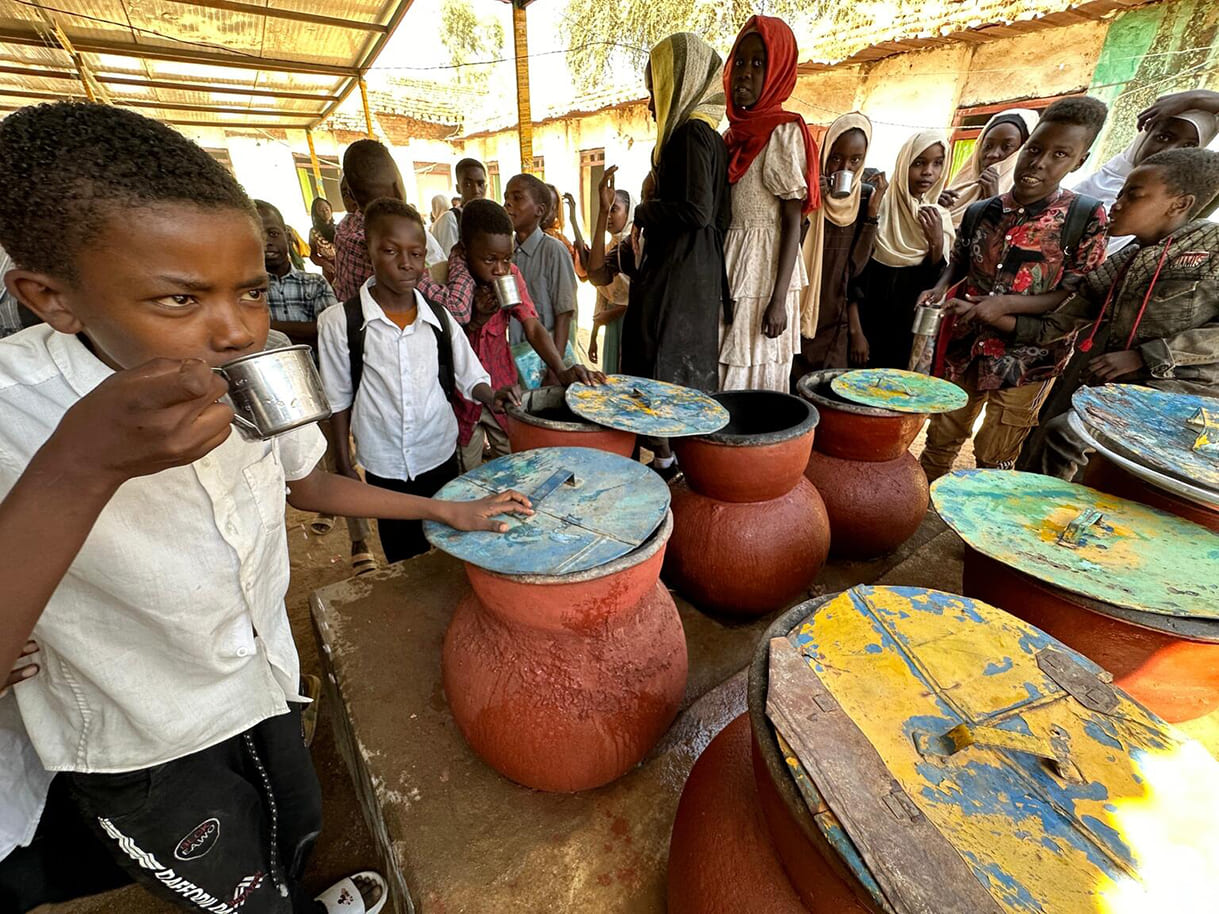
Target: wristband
x=871 y=220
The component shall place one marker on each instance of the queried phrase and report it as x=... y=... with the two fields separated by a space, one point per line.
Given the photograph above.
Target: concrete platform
x=455 y=836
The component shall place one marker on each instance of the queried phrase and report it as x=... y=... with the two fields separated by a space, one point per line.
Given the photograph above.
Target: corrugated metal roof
x=265 y=63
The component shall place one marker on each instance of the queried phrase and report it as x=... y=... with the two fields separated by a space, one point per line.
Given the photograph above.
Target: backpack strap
x=355 y=341
x=973 y=215
x=1079 y=214
x=444 y=349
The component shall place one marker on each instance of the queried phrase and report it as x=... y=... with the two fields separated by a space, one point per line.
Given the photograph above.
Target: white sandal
x=344 y=896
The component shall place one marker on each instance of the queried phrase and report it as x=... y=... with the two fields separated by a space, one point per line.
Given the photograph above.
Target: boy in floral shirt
x=1015 y=258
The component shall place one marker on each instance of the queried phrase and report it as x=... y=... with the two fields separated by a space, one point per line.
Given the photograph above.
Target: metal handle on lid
x=553 y=482
x=1054 y=749
x=1071 y=536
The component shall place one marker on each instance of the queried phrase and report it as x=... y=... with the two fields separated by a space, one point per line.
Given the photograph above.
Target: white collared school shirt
x=168 y=634
x=402 y=423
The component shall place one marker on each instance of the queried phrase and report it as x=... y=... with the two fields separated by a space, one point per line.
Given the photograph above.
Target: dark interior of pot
x=548 y=403
x=825 y=391
x=761 y=412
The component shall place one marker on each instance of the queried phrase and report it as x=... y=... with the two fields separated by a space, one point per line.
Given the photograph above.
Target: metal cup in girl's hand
x=841 y=183
x=507 y=291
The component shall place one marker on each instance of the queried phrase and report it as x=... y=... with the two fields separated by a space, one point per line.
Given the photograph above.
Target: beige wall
x=1040 y=64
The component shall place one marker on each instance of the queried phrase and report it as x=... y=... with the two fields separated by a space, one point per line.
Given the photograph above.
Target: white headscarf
x=966 y=181
x=900 y=241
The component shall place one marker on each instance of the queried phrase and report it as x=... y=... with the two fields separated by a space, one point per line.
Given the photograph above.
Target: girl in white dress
x=774 y=170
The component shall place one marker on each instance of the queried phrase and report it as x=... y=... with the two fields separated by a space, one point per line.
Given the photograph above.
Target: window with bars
x=592 y=168
x=310 y=189
x=494 y=187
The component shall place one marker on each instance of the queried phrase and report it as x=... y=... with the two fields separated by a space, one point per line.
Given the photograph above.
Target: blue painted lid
x=1053 y=787
x=647 y=407
x=590 y=507
x=1098 y=546
x=1175 y=434
x=900 y=391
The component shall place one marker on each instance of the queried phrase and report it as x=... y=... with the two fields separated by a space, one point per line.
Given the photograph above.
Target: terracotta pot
x=853 y=432
x=1172 y=675
x=721 y=859
x=543 y=420
x=823 y=883
x=746 y=558
x=873 y=507
x=565 y=682
x=758 y=455
x=1107 y=476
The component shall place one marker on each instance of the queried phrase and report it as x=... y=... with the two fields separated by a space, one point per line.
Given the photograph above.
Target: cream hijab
x=900 y=241
x=841 y=211
x=966 y=182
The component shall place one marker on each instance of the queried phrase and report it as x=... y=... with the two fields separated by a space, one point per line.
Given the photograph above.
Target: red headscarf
x=750 y=128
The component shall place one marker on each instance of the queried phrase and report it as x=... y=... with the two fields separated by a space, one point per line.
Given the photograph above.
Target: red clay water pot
x=544 y=420
x=1173 y=675
x=758 y=455
x=873 y=507
x=564 y=682
x=750 y=532
x=721 y=859
x=746 y=558
x=1107 y=476
x=850 y=431
x=874 y=490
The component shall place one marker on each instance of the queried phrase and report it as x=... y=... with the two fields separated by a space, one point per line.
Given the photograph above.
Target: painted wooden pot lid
x=1175 y=434
x=958 y=760
x=590 y=507
x=647 y=407
x=900 y=391
x=1095 y=545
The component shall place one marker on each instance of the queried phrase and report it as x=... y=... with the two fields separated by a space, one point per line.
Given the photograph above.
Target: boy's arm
x=564 y=278
x=543 y=344
x=953 y=272
x=1199 y=346
x=137 y=422
x=328 y=493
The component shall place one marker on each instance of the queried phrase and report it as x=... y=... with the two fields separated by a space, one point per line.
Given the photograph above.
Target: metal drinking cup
x=274 y=391
x=506 y=291
x=841 y=183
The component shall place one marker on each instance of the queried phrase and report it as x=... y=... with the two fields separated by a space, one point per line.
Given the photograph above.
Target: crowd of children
x=143 y=544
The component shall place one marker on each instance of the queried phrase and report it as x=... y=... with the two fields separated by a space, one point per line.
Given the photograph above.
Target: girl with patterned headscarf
x=678 y=287
x=913 y=240
x=774 y=170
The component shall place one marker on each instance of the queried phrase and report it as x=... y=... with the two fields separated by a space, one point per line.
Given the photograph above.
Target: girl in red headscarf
x=774 y=170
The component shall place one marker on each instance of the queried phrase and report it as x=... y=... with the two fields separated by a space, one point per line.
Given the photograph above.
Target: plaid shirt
x=351 y=264
x=457 y=295
x=298 y=296
x=490 y=343
x=1017 y=250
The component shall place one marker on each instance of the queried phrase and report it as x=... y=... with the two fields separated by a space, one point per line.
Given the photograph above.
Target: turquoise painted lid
x=900 y=391
x=590 y=507
x=647 y=407
x=1175 y=434
x=1084 y=541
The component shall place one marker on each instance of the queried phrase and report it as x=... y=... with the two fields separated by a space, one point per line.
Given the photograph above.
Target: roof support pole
x=367 y=110
x=317 y=169
x=524 y=126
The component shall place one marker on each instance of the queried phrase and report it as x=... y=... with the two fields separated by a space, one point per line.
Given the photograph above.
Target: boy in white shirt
x=410 y=356
x=141 y=541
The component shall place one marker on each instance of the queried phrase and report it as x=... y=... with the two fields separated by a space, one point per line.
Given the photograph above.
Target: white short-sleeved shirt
x=401 y=421
x=447 y=230
x=168 y=634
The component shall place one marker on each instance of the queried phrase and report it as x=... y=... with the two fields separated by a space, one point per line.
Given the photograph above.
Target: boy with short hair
x=1150 y=313
x=295 y=299
x=370 y=174
x=485 y=253
x=1013 y=256
x=543 y=261
x=142 y=542
x=390 y=373
x=471 y=177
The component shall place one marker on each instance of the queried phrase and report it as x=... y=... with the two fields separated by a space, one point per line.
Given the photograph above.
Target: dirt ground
x=344 y=846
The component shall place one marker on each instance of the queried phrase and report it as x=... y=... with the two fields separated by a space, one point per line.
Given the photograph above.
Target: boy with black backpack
x=1019 y=253
x=391 y=362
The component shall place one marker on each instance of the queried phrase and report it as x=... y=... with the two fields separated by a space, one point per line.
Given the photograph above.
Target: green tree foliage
x=602 y=33
x=470 y=39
